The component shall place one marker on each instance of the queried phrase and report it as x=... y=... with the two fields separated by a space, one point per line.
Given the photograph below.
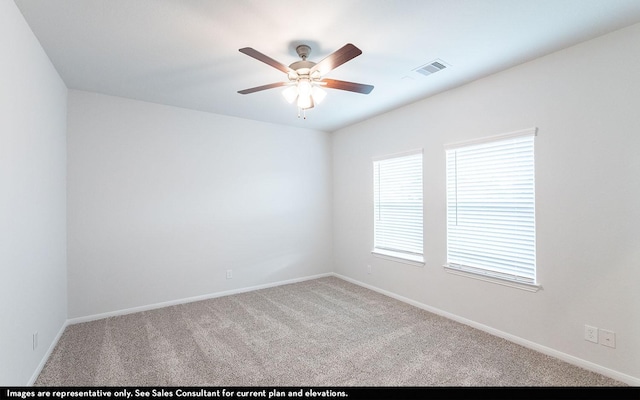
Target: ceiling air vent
x=432 y=67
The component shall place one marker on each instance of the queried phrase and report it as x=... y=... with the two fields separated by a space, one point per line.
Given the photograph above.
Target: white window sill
x=417 y=260
x=488 y=278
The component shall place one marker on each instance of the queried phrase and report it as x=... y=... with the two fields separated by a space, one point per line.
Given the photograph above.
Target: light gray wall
x=584 y=101
x=163 y=200
x=33 y=276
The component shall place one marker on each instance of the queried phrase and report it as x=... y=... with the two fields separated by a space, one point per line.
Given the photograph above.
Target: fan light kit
x=306 y=79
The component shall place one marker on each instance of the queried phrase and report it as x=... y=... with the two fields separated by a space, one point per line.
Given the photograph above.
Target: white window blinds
x=491 y=207
x=397 y=194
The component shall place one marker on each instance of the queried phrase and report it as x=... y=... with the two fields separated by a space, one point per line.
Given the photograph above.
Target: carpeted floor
x=323 y=332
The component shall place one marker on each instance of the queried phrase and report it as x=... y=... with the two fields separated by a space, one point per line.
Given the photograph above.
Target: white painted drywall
x=33 y=276
x=585 y=102
x=163 y=200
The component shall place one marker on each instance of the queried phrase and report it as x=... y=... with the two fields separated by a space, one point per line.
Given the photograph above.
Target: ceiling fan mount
x=303 y=51
x=306 y=78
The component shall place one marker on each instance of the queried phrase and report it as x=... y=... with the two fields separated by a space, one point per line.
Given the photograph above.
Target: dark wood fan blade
x=263 y=87
x=265 y=59
x=336 y=59
x=350 y=86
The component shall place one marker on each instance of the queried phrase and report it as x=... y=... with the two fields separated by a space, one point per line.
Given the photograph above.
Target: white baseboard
x=95 y=317
x=46 y=356
x=629 y=380
x=132 y=310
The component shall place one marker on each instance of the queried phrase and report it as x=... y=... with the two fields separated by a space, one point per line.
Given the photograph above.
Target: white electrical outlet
x=35 y=340
x=368 y=269
x=607 y=338
x=591 y=333
x=229 y=274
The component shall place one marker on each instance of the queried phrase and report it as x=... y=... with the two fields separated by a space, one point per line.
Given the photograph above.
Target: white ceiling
x=185 y=52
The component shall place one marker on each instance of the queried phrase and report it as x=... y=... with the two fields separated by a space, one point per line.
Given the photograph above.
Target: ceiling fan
x=306 y=78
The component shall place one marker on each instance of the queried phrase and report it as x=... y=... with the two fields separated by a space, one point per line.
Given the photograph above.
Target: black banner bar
x=318 y=393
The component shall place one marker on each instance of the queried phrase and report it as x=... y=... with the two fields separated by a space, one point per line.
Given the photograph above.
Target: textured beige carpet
x=323 y=332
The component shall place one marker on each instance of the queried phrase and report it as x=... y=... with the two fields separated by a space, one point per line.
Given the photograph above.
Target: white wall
x=584 y=101
x=33 y=273
x=163 y=200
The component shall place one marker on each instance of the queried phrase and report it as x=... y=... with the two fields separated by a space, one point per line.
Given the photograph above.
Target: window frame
x=474 y=271
x=394 y=254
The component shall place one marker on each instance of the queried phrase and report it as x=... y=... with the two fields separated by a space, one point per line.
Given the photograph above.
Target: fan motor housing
x=301 y=64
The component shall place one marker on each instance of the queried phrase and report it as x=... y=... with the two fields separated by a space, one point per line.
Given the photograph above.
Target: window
x=491 y=208
x=397 y=205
